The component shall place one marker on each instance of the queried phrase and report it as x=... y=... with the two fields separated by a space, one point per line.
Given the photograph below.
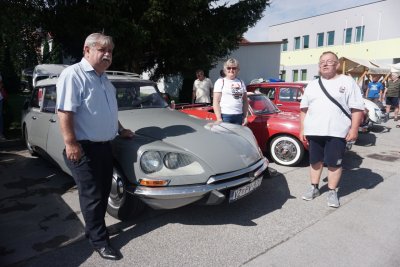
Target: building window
x=331 y=38
x=320 y=39
x=348 y=33
x=283 y=75
x=295 y=75
x=304 y=75
x=360 y=33
x=306 y=41
x=296 y=43
x=284 y=45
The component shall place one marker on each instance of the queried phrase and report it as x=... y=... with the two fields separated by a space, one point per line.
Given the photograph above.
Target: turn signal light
x=150 y=182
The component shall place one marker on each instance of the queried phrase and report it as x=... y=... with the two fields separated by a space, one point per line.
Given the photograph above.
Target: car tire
x=121 y=204
x=27 y=144
x=286 y=150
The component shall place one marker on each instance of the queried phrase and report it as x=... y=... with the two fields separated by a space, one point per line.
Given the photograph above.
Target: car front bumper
x=214 y=190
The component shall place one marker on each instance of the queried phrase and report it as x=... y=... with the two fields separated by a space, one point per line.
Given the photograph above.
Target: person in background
x=221 y=74
x=202 y=89
x=3 y=97
x=230 y=95
x=392 y=94
x=375 y=89
x=325 y=127
x=88 y=115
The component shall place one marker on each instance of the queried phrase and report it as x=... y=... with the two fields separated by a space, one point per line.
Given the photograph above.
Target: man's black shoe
x=108 y=253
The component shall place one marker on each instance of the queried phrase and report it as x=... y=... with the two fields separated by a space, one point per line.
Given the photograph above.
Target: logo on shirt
x=342 y=89
x=236 y=90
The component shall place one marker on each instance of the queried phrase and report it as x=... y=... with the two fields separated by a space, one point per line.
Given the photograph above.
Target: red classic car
x=277 y=132
x=286 y=95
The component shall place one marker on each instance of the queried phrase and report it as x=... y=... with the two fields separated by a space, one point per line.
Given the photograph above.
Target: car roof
x=118 y=76
x=280 y=84
x=48 y=69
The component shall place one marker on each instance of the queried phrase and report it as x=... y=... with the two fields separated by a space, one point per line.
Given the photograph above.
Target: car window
x=137 y=96
x=49 y=99
x=288 y=94
x=260 y=104
x=269 y=92
x=35 y=98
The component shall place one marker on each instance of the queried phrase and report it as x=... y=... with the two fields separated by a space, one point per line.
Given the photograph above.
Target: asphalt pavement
x=41 y=224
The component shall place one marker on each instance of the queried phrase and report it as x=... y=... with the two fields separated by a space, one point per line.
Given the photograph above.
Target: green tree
x=166 y=36
x=46 y=52
x=19 y=37
x=56 y=53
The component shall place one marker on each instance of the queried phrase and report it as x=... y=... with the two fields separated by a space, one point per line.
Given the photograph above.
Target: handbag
x=332 y=99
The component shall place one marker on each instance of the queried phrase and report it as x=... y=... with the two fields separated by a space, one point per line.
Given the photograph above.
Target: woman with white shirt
x=230 y=95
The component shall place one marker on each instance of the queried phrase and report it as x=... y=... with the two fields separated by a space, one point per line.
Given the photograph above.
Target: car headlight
x=176 y=160
x=169 y=163
x=151 y=161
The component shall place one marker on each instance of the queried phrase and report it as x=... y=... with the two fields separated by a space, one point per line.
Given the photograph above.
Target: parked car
x=277 y=132
x=285 y=95
x=172 y=161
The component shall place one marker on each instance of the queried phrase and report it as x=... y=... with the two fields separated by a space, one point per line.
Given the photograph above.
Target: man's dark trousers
x=93 y=177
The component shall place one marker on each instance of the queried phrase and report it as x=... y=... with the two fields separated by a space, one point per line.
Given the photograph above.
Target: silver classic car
x=173 y=159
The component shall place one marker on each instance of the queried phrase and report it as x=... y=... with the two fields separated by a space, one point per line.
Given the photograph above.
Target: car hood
x=283 y=115
x=224 y=147
x=288 y=115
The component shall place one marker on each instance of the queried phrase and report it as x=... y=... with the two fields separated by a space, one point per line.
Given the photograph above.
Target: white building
x=256 y=59
x=368 y=32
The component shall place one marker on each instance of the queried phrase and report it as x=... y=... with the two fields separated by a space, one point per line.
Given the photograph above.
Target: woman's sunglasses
x=231 y=68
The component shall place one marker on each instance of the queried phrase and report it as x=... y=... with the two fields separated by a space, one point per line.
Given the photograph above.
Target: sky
x=281 y=11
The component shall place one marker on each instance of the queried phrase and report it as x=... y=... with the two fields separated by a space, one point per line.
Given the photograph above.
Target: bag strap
x=332 y=99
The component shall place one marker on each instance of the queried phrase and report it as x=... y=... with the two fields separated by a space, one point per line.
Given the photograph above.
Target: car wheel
x=122 y=205
x=27 y=144
x=286 y=150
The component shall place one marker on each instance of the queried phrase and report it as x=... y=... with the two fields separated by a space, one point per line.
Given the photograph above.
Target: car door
x=54 y=142
x=288 y=98
x=37 y=122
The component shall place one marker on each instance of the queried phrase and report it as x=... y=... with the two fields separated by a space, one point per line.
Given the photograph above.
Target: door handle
x=34 y=117
x=52 y=120
x=279 y=104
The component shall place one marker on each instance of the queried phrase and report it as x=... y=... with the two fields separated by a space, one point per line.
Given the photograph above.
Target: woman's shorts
x=326 y=149
x=232 y=118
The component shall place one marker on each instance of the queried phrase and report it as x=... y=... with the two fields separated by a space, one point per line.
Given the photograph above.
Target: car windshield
x=138 y=96
x=260 y=104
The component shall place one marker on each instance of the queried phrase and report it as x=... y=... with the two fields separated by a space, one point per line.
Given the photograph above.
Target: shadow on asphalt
x=272 y=195
x=31 y=207
x=353 y=177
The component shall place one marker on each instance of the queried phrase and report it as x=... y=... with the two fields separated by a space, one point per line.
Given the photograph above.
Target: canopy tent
x=395 y=68
x=361 y=67
x=355 y=67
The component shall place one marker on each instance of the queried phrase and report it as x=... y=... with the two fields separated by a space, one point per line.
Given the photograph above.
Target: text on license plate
x=244 y=190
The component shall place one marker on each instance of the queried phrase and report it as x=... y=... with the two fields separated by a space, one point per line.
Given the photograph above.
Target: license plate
x=244 y=190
